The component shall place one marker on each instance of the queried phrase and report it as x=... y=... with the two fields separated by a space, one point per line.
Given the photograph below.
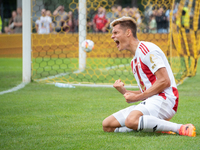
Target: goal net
x=57 y=56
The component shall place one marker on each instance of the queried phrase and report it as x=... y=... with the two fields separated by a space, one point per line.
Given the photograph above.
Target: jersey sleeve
x=154 y=61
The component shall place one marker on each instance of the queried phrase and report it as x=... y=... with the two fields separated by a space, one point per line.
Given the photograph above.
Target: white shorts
x=155 y=106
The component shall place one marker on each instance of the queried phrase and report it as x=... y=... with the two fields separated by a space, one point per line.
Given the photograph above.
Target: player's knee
x=105 y=125
x=132 y=123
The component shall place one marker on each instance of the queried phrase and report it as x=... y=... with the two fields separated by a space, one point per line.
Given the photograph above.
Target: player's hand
x=130 y=97
x=118 y=83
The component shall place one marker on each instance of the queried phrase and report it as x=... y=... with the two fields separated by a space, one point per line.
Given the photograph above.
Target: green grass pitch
x=42 y=116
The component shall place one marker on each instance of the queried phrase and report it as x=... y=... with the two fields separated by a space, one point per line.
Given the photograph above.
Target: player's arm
x=159 y=85
x=134 y=92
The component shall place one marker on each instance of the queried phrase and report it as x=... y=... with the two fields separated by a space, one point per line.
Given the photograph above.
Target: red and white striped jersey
x=147 y=60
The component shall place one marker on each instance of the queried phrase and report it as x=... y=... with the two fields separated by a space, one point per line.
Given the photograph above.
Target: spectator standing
x=152 y=24
x=70 y=24
x=161 y=20
x=137 y=15
x=0 y=25
x=119 y=11
x=100 y=22
x=18 y=21
x=167 y=14
x=10 y=28
x=48 y=14
x=113 y=14
x=60 y=18
x=43 y=24
x=185 y=19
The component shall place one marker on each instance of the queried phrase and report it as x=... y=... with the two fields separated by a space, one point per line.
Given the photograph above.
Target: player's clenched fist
x=130 y=97
x=118 y=83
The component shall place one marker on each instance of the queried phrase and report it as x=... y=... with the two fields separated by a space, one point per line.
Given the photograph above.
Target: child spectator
x=43 y=24
x=100 y=22
x=48 y=15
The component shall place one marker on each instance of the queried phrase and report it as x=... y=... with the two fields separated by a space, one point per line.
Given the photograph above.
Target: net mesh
x=55 y=56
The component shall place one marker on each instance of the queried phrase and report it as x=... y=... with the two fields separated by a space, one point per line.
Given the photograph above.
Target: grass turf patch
x=10 y=72
x=43 y=116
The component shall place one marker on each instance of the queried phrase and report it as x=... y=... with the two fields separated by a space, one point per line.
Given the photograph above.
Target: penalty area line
x=20 y=86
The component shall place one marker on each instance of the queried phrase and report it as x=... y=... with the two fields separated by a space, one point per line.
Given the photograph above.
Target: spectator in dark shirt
x=60 y=18
x=18 y=21
x=69 y=25
x=161 y=20
x=10 y=28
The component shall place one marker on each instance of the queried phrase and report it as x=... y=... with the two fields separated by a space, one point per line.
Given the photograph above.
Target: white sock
x=123 y=129
x=152 y=124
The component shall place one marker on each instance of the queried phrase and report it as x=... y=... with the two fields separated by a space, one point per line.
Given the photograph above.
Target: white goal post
x=26 y=42
x=26 y=54
x=82 y=33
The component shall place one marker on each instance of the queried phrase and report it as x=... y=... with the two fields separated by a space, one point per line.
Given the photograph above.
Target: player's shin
x=152 y=124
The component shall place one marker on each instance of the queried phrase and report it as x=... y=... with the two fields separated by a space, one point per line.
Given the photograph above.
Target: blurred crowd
x=15 y=22
x=59 y=21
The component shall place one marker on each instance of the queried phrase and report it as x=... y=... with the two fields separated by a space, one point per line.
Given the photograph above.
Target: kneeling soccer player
x=158 y=90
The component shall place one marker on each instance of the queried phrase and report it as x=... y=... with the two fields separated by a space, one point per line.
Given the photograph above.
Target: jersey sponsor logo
x=151 y=60
x=143 y=49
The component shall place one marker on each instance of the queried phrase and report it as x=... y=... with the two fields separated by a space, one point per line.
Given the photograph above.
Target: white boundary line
x=182 y=81
x=58 y=75
x=20 y=86
x=99 y=85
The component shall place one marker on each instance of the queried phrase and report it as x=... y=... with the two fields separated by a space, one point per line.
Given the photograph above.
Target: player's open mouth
x=117 y=42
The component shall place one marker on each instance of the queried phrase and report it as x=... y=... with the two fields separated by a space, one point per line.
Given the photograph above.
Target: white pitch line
x=99 y=85
x=59 y=75
x=118 y=66
x=20 y=86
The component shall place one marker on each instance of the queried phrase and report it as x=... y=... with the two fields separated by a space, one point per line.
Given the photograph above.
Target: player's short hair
x=126 y=23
